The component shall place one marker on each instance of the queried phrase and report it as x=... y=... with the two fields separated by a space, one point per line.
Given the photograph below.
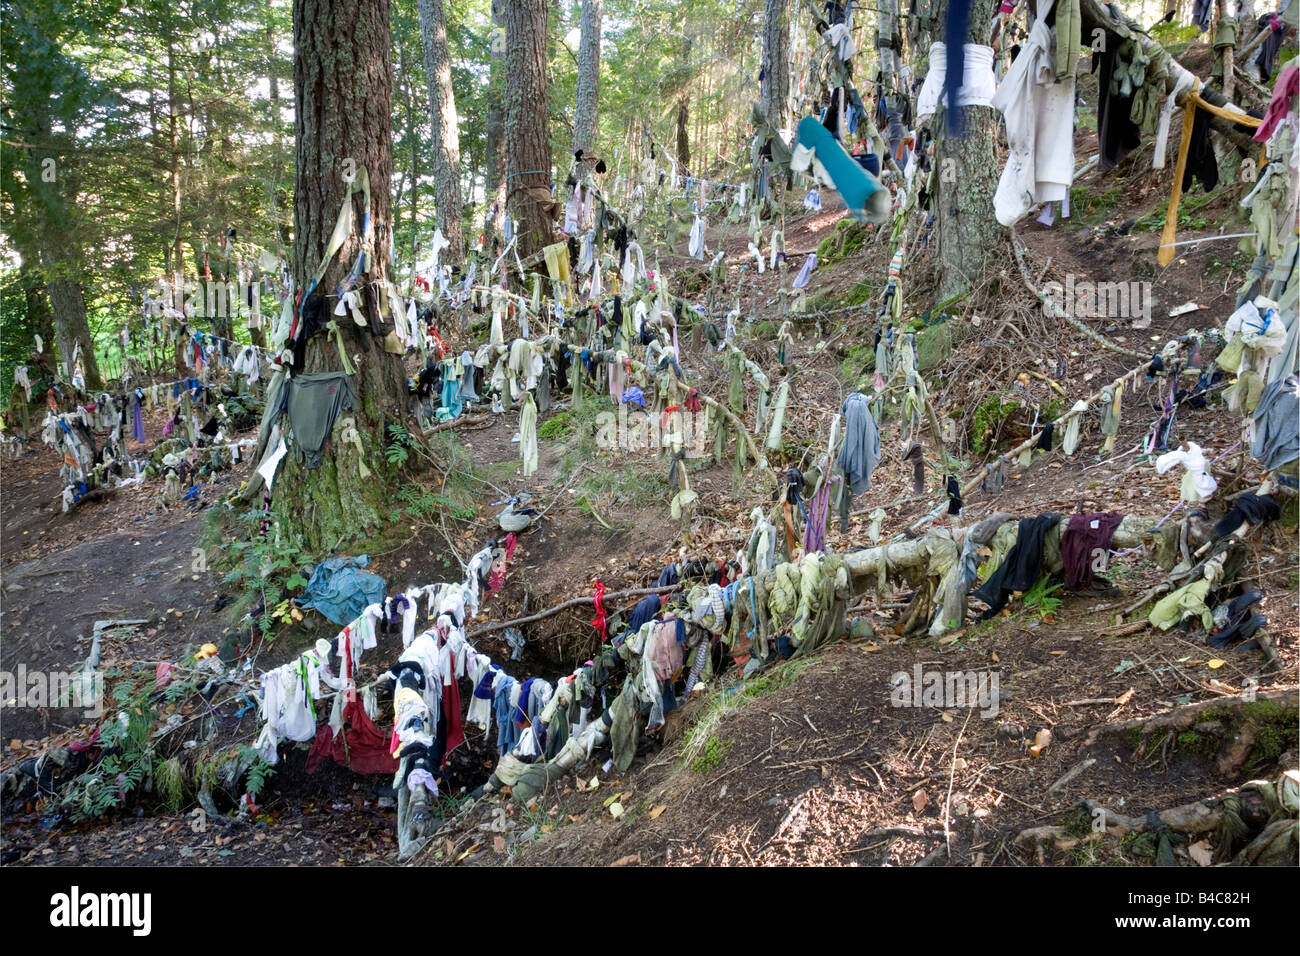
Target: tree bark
x=443 y=122
x=774 y=88
x=343 y=121
x=965 y=225
x=56 y=253
x=494 y=167
x=584 y=119
x=528 y=161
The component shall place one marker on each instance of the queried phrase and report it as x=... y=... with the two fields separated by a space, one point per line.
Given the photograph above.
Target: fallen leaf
x=1125 y=697
x=498 y=844
x=472 y=849
x=616 y=810
x=1214 y=663
x=654 y=814
x=919 y=800
x=627 y=860
x=1201 y=852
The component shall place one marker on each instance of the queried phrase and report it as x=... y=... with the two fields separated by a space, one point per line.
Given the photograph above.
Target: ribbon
x=598 y=622
x=350 y=435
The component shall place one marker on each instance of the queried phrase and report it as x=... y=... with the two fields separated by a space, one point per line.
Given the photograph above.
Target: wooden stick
x=564 y=605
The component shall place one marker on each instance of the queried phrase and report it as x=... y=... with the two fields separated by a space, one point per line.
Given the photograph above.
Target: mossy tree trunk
x=343 y=122
x=967 y=172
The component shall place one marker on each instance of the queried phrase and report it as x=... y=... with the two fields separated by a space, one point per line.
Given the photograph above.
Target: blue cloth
x=861 y=192
x=645 y=611
x=521 y=709
x=340 y=591
x=634 y=396
x=507 y=732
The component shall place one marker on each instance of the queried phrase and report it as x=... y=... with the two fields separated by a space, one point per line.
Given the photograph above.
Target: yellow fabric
x=1190 y=105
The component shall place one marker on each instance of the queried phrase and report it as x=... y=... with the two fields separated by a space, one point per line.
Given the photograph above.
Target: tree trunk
x=40 y=321
x=443 y=122
x=684 y=113
x=494 y=171
x=584 y=119
x=343 y=123
x=528 y=161
x=70 y=324
x=774 y=89
x=968 y=169
x=55 y=250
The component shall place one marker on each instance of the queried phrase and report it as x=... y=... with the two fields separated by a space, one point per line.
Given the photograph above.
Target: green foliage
x=857 y=363
x=557 y=427
x=715 y=751
x=1039 y=600
x=1093 y=205
x=989 y=415
x=1174 y=33
x=259 y=771
x=130 y=747
x=169 y=780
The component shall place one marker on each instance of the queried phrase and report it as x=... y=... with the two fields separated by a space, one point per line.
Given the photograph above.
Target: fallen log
x=1180 y=718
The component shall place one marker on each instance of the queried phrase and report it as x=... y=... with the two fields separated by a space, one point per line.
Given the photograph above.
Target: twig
x=952 y=776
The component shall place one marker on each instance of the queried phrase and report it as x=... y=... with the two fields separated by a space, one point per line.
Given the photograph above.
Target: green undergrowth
x=1091 y=206
x=705 y=744
x=846 y=240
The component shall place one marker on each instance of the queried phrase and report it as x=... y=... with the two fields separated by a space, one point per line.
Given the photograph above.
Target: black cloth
x=1268 y=49
x=1023 y=565
x=312 y=319
x=1201 y=164
x=915 y=456
x=1117 y=134
x=954 y=495
x=1249 y=507
x=1045 y=437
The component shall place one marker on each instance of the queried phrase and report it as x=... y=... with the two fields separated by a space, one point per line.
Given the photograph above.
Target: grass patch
x=857 y=364
x=711 y=756
x=708 y=726
x=1093 y=205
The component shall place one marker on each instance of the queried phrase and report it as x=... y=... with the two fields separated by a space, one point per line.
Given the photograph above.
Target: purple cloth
x=814 y=533
x=137 y=422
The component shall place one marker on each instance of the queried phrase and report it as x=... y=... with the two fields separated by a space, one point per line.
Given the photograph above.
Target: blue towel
x=340 y=591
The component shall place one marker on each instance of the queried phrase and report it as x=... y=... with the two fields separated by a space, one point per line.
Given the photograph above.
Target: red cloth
x=1284 y=94
x=451 y=713
x=598 y=622
x=359 y=745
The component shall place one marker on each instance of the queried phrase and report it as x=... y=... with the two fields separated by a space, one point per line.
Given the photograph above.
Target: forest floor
x=810 y=763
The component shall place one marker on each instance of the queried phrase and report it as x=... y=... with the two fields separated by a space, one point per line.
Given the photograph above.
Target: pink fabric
x=1282 y=103
x=665 y=653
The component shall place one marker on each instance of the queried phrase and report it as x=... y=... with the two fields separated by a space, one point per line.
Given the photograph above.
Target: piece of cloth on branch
x=1023 y=565
x=1039 y=113
x=1084 y=535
